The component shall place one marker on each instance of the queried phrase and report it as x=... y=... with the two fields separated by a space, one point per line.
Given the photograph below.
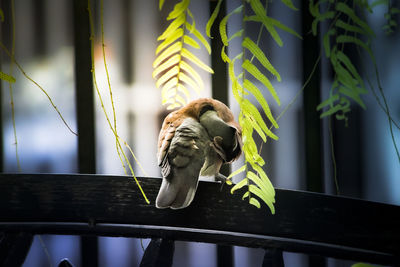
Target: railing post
x=85 y=113
x=312 y=122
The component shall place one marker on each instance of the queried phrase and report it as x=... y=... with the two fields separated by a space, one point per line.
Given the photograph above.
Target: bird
x=193 y=143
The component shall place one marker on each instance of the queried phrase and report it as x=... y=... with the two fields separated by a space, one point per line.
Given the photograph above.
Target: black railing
x=97 y=205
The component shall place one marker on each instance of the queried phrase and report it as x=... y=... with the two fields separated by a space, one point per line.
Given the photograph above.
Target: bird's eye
x=205 y=108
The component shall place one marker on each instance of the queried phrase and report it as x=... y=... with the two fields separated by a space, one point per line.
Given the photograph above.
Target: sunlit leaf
x=166 y=65
x=253 y=70
x=170 y=51
x=260 y=98
x=259 y=54
x=189 y=41
x=187 y=54
x=186 y=79
x=240 y=170
x=200 y=37
x=172 y=38
x=179 y=8
x=190 y=71
x=238 y=185
x=255 y=202
x=168 y=75
x=212 y=18
x=224 y=21
x=173 y=26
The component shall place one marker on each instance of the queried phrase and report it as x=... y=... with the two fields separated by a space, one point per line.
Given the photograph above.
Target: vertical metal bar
x=219 y=85
x=312 y=123
x=85 y=113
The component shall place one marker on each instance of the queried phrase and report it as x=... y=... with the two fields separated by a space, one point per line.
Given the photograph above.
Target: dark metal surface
x=14 y=248
x=159 y=253
x=113 y=206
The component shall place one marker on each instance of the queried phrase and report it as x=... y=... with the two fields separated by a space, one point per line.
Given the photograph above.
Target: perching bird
x=195 y=141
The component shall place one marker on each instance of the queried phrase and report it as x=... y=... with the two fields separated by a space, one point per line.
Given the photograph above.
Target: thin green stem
x=333 y=157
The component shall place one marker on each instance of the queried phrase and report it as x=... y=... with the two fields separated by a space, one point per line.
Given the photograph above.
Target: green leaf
x=353 y=95
x=260 y=98
x=356 y=41
x=255 y=202
x=326 y=42
x=236 y=34
x=346 y=61
x=239 y=185
x=173 y=26
x=6 y=77
x=176 y=47
x=328 y=102
x=264 y=177
x=160 y=4
x=181 y=88
x=193 y=25
x=258 y=8
x=186 y=79
x=261 y=184
x=190 y=71
x=172 y=38
x=348 y=27
x=253 y=70
x=249 y=108
x=199 y=36
x=166 y=65
x=289 y=4
x=212 y=18
x=179 y=8
x=321 y=17
x=250 y=120
x=168 y=75
x=240 y=170
x=224 y=21
x=189 y=41
x=263 y=196
x=342 y=7
x=187 y=54
x=273 y=22
x=259 y=54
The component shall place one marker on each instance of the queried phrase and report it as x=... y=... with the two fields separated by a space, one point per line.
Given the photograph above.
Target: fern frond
x=172 y=67
x=347 y=84
x=250 y=119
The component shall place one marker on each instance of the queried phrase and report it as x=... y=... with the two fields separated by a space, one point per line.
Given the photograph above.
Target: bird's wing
x=184 y=158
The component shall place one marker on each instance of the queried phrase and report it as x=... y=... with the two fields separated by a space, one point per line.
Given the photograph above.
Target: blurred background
x=367 y=165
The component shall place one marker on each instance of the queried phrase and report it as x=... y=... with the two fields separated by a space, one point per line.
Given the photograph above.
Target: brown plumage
x=194 y=141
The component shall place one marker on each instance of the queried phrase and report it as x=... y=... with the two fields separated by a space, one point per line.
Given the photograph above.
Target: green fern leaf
x=240 y=170
x=190 y=71
x=342 y=7
x=224 y=21
x=326 y=42
x=169 y=52
x=166 y=65
x=356 y=41
x=349 y=27
x=238 y=185
x=235 y=35
x=189 y=41
x=264 y=177
x=273 y=22
x=255 y=202
x=199 y=36
x=212 y=18
x=179 y=9
x=253 y=70
x=187 y=54
x=173 y=26
x=251 y=121
x=168 y=75
x=186 y=79
x=260 y=98
x=261 y=184
x=263 y=196
x=328 y=102
x=289 y=4
x=319 y=18
x=172 y=38
x=259 y=54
